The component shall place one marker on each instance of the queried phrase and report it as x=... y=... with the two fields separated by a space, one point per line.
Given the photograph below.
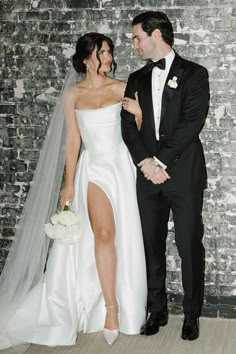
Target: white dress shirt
x=158 y=82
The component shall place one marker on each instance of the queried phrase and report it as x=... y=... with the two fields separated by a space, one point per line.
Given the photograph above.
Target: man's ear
x=157 y=34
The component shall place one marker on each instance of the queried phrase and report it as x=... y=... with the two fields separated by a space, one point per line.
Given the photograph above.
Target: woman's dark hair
x=152 y=20
x=86 y=45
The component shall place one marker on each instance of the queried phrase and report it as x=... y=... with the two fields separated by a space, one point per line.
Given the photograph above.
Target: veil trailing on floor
x=26 y=261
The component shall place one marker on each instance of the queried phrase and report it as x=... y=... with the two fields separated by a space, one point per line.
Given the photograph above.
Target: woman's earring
x=87 y=67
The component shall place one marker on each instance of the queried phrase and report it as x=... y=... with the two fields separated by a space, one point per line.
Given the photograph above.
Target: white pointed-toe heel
x=111 y=335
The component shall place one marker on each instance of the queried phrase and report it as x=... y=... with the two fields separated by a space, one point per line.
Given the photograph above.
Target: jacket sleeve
x=130 y=133
x=194 y=112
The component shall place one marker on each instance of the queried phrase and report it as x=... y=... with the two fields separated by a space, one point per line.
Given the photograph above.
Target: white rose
x=60 y=231
x=66 y=218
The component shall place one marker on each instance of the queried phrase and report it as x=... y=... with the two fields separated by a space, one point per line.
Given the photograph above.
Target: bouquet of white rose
x=65 y=226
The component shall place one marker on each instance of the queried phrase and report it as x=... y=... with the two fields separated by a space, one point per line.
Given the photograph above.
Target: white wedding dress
x=71 y=295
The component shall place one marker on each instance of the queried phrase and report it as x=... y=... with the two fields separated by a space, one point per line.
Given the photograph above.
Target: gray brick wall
x=37 y=39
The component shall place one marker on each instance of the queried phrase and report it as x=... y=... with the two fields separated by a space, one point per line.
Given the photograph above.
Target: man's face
x=143 y=43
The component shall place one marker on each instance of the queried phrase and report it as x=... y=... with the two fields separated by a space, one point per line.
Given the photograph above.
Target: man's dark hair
x=152 y=20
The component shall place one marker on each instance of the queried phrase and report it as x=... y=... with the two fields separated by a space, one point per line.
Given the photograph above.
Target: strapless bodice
x=100 y=128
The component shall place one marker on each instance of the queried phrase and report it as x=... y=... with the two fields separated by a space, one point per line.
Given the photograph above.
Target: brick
x=7 y=178
x=7 y=16
x=66 y=15
x=7 y=27
x=34 y=16
x=7 y=108
x=49 y=4
x=22 y=4
x=141 y=4
x=56 y=27
x=74 y=4
x=6 y=6
x=8 y=232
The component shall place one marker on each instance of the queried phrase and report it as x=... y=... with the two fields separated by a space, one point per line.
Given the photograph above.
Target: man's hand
x=160 y=176
x=155 y=174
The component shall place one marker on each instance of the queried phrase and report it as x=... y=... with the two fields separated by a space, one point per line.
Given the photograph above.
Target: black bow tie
x=161 y=64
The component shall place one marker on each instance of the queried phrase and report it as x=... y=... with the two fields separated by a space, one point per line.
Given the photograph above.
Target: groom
x=173 y=94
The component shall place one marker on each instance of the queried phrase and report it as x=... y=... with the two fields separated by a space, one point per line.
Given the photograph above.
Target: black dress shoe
x=154 y=322
x=190 y=330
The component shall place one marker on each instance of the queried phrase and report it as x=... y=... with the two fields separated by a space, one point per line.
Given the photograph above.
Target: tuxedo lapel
x=146 y=89
x=168 y=93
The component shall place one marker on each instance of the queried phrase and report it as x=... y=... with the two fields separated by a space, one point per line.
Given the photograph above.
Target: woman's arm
x=133 y=107
x=72 y=147
x=130 y=105
x=130 y=133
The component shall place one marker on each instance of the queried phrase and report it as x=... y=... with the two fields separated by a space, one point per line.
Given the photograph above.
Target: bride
x=100 y=282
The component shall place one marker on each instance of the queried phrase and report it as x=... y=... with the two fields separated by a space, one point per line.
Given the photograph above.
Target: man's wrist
x=158 y=163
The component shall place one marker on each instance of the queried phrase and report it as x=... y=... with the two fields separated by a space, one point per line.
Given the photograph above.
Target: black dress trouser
x=155 y=202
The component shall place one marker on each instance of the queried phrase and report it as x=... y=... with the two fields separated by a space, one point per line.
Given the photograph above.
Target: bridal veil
x=26 y=261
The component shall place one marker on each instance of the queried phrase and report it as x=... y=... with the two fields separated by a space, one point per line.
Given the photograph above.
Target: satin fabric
x=69 y=299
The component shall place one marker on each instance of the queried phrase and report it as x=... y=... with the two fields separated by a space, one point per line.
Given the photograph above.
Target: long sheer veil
x=25 y=265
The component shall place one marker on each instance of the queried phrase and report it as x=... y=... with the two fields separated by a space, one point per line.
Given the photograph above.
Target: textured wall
x=36 y=41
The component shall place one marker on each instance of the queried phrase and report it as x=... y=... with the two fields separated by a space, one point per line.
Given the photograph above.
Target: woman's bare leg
x=103 y=225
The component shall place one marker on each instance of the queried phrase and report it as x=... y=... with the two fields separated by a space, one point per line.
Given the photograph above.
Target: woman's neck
x=94 y=80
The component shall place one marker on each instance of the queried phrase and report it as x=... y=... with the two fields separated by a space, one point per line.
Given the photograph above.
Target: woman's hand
x=66 y=195
x=133 y=107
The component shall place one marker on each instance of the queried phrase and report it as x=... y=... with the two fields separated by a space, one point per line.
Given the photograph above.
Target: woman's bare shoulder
x=73 y=92
x=119 y=86
x=121 y=83
x=118 y=82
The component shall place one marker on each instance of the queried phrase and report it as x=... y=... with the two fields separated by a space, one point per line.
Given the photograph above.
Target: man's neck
x=162 y=53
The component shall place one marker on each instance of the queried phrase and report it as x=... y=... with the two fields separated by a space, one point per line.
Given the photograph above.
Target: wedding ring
x=68 y=203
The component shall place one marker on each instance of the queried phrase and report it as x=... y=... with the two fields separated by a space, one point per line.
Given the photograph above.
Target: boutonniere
x=172 y=83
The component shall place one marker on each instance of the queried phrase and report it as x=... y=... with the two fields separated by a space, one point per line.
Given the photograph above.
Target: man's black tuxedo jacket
x=183 y=113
